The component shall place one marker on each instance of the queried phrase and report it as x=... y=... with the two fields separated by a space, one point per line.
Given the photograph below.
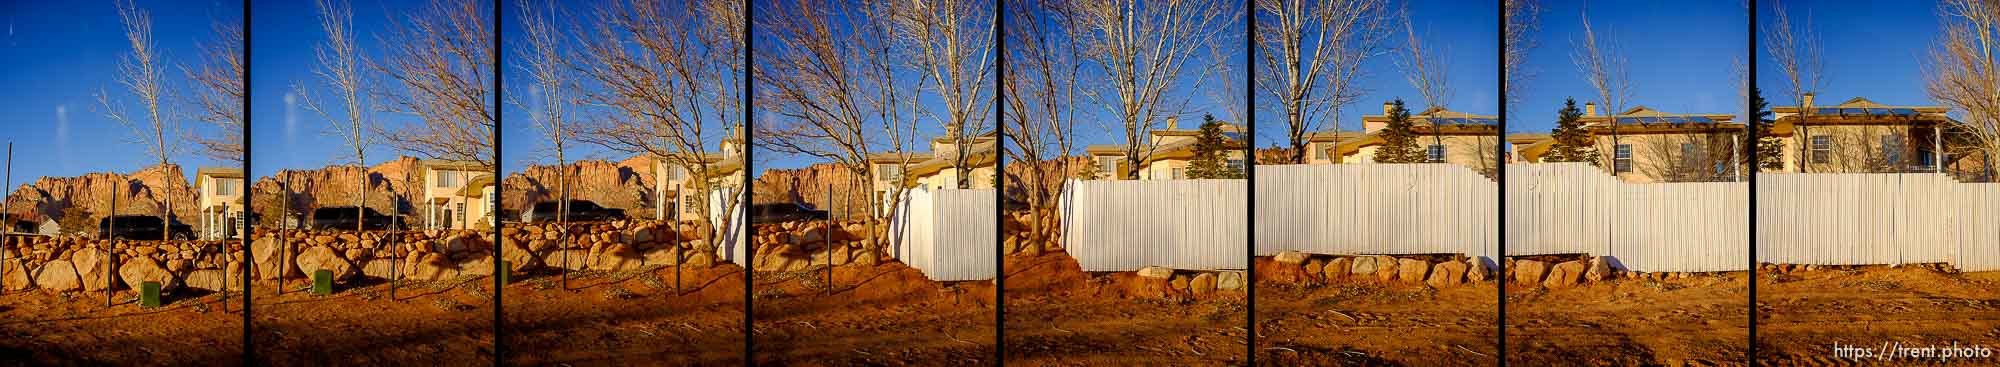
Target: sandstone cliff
x=387 y=185
x=141 y=192
x=627 y=185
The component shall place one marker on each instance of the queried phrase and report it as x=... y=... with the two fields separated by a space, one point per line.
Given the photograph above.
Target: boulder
x=1529 y=272
x=519 y=258
x=1386 y=268
x=214 y=280
x=14 y=275
x=433 y=266
x=1412 y=270
x=319 y=258
x=480 y=265
x=1447 y=274
x=1180 y=282
x=619 y=257
x=58 y=275
x=269 y=261
x=1155 y=272
x=137 y=271
x=569 y=259
x=1229 y=280
x=1599 y=269
x=1202 y=283
x=380 y=268
x=1313 y=268
x=1363 y=265
x=1475 y=271
x=1290 y=257
x=662 y=256
x=93 y=267
x=1338 y=268
x=1564 y=275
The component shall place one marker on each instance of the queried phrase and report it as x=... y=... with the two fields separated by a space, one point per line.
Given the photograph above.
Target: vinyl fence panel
x=1126 y=225
x=948 y=234
x=729 y=244
x=1877 y=218
x=1376 y=209
x=1576 y=208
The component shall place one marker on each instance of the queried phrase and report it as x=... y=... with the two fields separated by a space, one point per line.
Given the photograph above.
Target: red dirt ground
x=1058 y=315
x=1802 y=314
x=1702 y=320
x=626 y=318
x=1357 y=322
x=888 y=314
x=47 y=328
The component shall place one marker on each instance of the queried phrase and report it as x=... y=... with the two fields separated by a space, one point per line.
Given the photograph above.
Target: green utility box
x=322 y=282
x=506 y=273
x=149 y=294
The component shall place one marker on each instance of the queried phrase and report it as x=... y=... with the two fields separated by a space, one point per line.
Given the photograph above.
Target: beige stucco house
x=1445 y=136
x=457 y=194
x=1648 y=145
x=1860 y=135
x=220 y=203
x=1167 y=153
x=935 y=169
x=675 y=190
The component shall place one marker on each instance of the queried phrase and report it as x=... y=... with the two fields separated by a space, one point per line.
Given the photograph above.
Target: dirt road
x=1802 y=315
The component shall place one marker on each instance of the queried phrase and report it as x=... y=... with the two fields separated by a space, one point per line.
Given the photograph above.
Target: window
x=1107 y=165
x=447 y=179
x=1179 y=173
x=1927 y=159
x=1892 y=149
x=1435 y=153
x=1238 y=163
x=1822 y=149
x=889 y=172
x=224 y=187
x=1621 y=158
x=676 y=173
x=1318 y=154
x=1690 y=155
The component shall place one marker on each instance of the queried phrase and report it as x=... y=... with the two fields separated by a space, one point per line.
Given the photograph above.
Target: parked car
x=344 y=218
x=579 y=211
x=783 y=212
x=142 y=227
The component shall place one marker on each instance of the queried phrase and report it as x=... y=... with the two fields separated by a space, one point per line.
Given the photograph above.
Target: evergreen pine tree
x=1399 y=142
x=1209 y=149
x=1770 y=150
x=1573 y=143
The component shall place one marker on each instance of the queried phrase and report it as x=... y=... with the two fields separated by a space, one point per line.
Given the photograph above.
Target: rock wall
x=1435 y=271
x=801 y=245
x=142 y=192
x=71 y=263
x=610 y=246
x=627 y=184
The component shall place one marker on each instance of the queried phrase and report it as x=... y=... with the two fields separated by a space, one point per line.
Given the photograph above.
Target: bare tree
x=219 y=98
x=1524 y=19
x=952 y=41
x=1796 y=54
x=1041 y=89
x=340 y=67
x=141 y=74
x=669 y=79
x=1423 y=67
x=1962 y=73
x=441 y=57
x=1312 y=54
x=1141 y=51
x=543 y=61
x=831 y=83
x=1603 y=66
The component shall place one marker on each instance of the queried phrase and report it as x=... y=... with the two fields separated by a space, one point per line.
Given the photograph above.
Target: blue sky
x=284 y=134
x=1465 y=33
x=58 y=54
x=1872 y=49
x=1679 y=56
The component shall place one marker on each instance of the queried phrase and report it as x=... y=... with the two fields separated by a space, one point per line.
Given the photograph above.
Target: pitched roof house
x=1860 y=135
x=457 y=194
x=220 y=202
x=1167 y=153
x=1648 y=145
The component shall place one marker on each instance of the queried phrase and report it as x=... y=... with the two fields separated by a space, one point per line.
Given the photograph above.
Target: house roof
x=1180 y=149
x=453 y=165
x=1858 y=111
x=473 y=187
x=219 y=172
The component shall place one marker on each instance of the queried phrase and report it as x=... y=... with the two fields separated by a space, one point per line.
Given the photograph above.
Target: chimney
x=1386 y=106
x=1590 y=109
x=1173 y=122
x=1807 y=101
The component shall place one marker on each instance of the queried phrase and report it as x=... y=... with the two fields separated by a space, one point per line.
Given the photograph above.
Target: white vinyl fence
x=1182 y=224
x=1567 y=208
x=947 y=233
x=729 y=244
x=1376 y=209
x=1875 y=218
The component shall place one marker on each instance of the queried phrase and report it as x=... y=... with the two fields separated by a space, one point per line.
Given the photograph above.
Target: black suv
x=579 y=211
x=343 y=218
x=783 y=212
x=142 y=227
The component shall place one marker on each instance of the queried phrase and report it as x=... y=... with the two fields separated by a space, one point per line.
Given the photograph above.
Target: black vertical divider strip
x=499 y=94
x=1000 y=191
x=749 y=170
x=1500 y=191
x=1250 y=181
x=1750 y=105
x=249 y=351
